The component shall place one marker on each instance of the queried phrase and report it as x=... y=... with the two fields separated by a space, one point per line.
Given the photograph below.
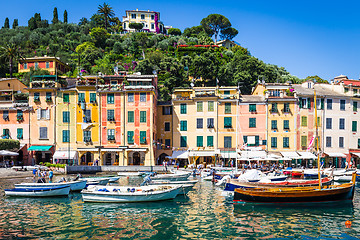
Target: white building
x=149 y=19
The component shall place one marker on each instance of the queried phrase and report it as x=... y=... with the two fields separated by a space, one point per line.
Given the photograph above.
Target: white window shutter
x=48 y=114
x=39 y=113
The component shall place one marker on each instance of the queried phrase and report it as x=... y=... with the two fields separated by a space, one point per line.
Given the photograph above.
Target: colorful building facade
x=52 y=64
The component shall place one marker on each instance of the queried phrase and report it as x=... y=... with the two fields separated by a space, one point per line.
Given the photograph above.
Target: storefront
x=66 y=157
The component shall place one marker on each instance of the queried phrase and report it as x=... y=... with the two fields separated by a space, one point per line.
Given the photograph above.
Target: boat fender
x=132 y=190
x=128 y=189
x=348 y=224
x=115 y=190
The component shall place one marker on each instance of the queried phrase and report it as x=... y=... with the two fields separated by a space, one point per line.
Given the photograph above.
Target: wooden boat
x=77 y=185
x=39 y=192
x=118 y=194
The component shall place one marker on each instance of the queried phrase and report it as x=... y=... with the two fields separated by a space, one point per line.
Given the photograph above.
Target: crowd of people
x=41 y=176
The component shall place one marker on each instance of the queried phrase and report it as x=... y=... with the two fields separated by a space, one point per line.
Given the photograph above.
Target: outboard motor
x=147 y=179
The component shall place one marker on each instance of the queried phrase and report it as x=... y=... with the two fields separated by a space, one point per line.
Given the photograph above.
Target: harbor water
x=202 y=214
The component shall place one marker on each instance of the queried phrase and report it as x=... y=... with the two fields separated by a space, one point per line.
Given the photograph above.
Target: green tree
x=136 y=26
x=107 y=12
x=315 y=78
x=99 y=36
x=55 y=16
x=11 y=53
x=15 y=23
x=65 y=17
x=216 y=23
x=194 y=31
x=228 y=33
x=7 y=24
x=174 y=31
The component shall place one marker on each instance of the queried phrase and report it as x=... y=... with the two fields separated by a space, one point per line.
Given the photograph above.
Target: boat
x=176 y=176
x=96 y=181
x=163 y=182
x=38 y=192
x=76 y=185
x=120 y=194
x=130 y=174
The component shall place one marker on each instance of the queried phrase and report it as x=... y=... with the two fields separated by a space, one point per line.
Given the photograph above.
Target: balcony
x=87 y=139
x=111 y=138
x=228 y=96
x=44 y=84
x=110 y=88
x=205 y=94
x=86 y=82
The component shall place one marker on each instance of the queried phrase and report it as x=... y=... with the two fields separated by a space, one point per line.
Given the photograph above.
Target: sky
x=305 y=37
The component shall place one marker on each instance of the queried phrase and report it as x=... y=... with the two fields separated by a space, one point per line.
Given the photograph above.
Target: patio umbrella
x=8 y=153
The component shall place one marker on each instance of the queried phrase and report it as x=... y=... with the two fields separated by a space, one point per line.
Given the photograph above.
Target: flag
x=244 y=145
x=310 y=144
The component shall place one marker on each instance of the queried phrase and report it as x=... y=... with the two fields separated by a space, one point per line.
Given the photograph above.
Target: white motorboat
x=166 y=182
x=130 y=174
x=96 y=181
x=76 y=185
x=38 y=192
x=176 y=176
x=121 y=194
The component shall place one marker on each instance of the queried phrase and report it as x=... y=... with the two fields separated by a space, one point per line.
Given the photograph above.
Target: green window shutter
x=183 y=108
x=66 y=98
x=303 y=141
x=257 y=140
x=285 y=142
x=355 y=106
x=81 y=97
x=210 y=141
x=274 y=142
x=199 y=141
x=92 y=97
x=199 y=106
x=20 y=133
x=130 y=138
x=354 y=126
x=110 y=98
x=245 y=139
x=286 y=107
x=318 y=121
x=210 y=106
x=66 y=136
x=143 y=116
x=273 y=124
x=300 y=102
x=183 y=125
x=227 y=107
x=304 y=121
x=227 y=122
x=110 y=115
x=308 y=103
x=322 y=103
x=66 y=116
x=183 y=141
x=130 y=116
x=142 y=136
x=252 y=108
x=286 y=124
x=252 y=122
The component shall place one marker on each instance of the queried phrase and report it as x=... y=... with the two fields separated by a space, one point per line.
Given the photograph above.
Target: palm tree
x=107 y=12
x=10 y=52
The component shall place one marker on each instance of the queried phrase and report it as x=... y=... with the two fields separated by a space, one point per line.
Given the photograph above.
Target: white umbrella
x=8 y=153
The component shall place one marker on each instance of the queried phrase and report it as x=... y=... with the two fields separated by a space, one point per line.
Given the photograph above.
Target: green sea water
x=203 y=214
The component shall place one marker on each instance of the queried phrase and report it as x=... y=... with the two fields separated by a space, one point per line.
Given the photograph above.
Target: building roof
x=251 y=98
x=164 y=103
x=353 y=82
x=144 y=11
x=322 y=90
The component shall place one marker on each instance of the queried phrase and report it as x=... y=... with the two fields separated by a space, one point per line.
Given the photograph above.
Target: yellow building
x=281 y=116
x=52 y=64
x=164 y=131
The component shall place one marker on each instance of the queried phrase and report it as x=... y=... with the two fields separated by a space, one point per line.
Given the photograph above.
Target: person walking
x=51 y=174
x=34 y=173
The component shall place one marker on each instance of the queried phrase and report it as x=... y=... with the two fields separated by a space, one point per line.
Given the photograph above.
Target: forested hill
x=98 y=45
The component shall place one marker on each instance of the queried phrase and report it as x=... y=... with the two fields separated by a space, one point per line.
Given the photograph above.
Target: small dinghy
x=76 y=185
x=176 y=176
x=38 y=192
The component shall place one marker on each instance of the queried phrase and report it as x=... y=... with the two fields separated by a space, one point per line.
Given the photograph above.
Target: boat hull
x=172 y=177
x=38 y=192
x=74 y=185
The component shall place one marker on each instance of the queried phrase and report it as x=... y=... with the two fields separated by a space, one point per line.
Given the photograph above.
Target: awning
x=356 y=154
x=229 y=154
x=137 y=149
x=112 y=149
x=88 y=149
x=65 y=155
x=336 y=155
x=8 y=153
x=39 y=148
x=290 y=154
x=180 y=154
x=253 y=154
x=200 y=153
x=306 y=155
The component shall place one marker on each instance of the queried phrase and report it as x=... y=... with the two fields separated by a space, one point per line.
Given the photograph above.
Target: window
x=274 y=108
x=252 y=122
x=113 y=82
x=142 y=16
x=87 y=116
x=110 y=98
x=130 y=116
x=142 y=97
x=342 y=105
x=93 y=97
x=152 y=17
x=304 y=103
x=19 y=114
x=133 y=16
x=227 y=142
x=36 y=97
x=142 y=137
x=66 y=98
x=329 y=104
x=25 y=65
x=124 y=25
x=47 y=65
x=6 y=115
x=252 y=108
x=303 y=141
x=130 y=97
x=43 y=133
x=273 y=124
x=167 y=126
x=81 y=97
x=226 y=92
x=227 y=107
x=36 y=65
x=183 y=141
x=167 y=143
x=66 y=136
x=354 y=126
x=6 y=133
x=286 y=125
x=328 y=141
x=358 y=143
x=227 y=122
x=143 y=116
x=66 y=116
x=304 y=121
x=320 y=104
x=111 y=115
x=328 y=123
x=286 y=143
x=183 y=125
x=210 y=141
x=355 y=106
x=183 y=108
x=199 y=106
x=152 y=26
x=167 y=110
x=318 y=121
x=210 y=123
x=130 y=137
x=48 y=97
x=111 y=134
x=199 y=141
x=87 y=135
x=199 y=123
x=274 y=142
x=43 y=114
x=342 y=123
x=210 y=106
x=286 y=107
x=20 y=133
x=341 y=142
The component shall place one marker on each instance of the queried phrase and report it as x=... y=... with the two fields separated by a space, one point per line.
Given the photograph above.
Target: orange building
x=52 y=64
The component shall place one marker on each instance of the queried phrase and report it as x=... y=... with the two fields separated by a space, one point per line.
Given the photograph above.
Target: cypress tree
x=15 y=23
x=6 y=24
x=65 y=17
x=55 y=16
